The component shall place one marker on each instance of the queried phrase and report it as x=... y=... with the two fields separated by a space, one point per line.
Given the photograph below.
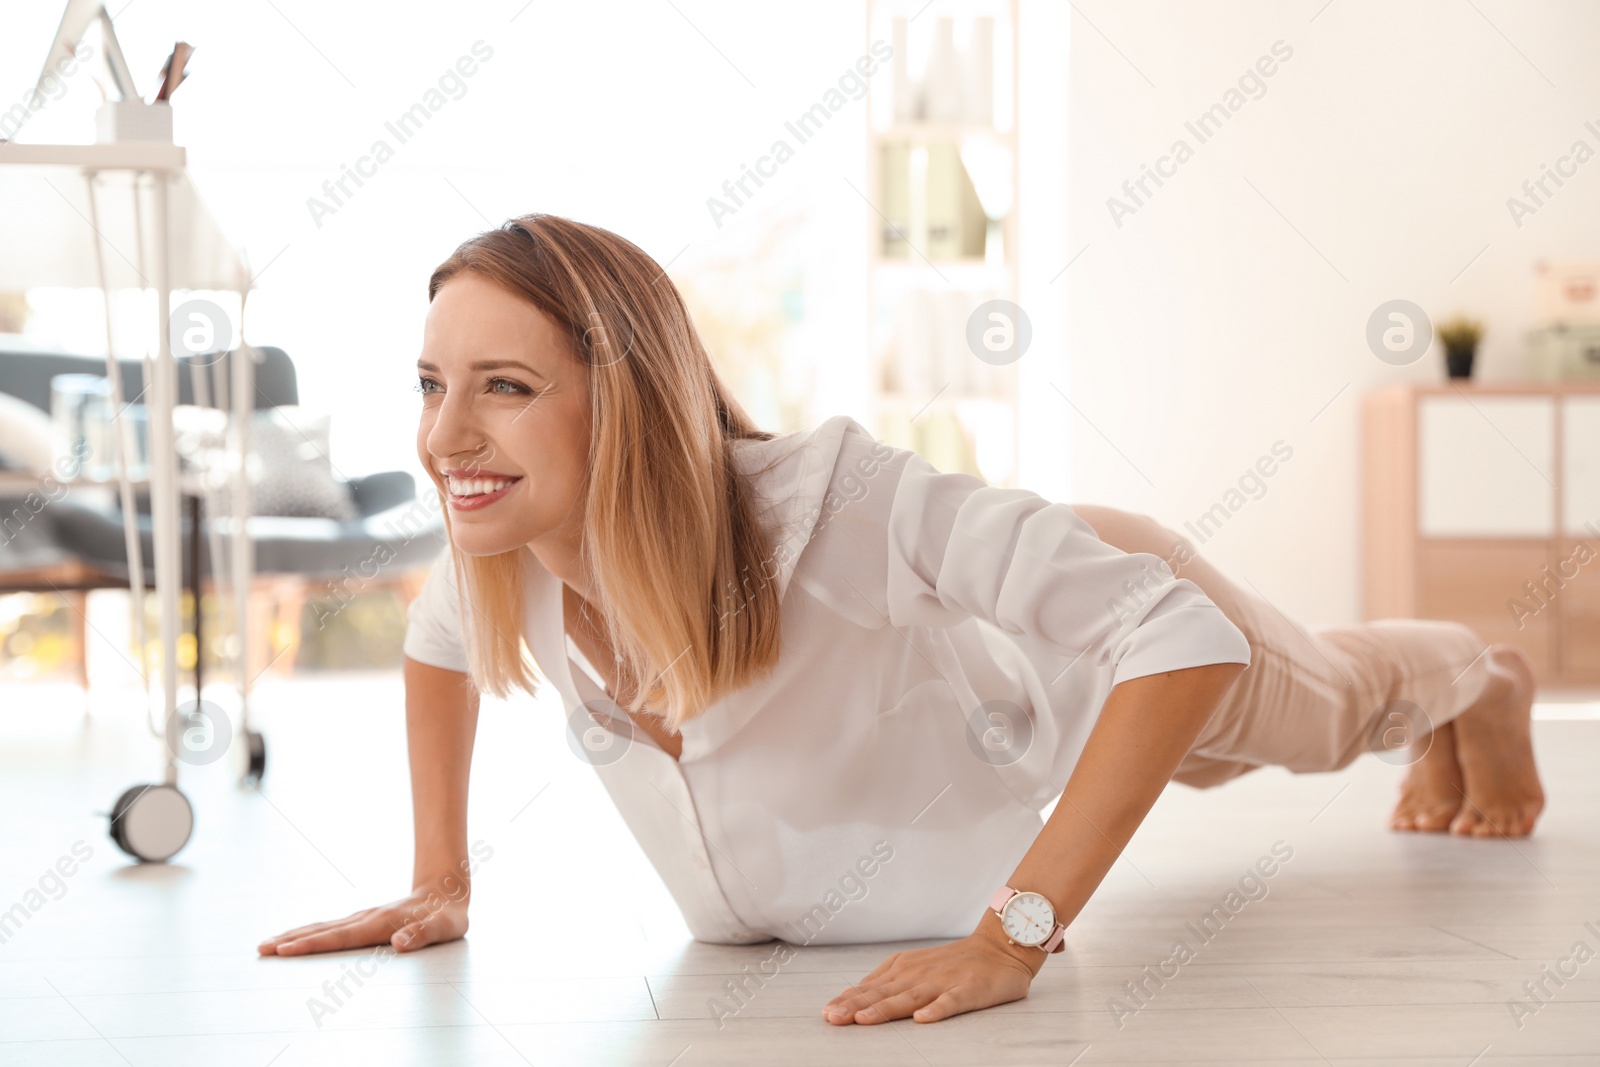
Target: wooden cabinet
x=1471 y=582
x=1481 y=504
x=1485 y=466
x=1577 y=607
x=1580 y=446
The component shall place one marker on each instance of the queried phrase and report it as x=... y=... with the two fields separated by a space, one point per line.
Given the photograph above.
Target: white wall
x=1205 y=328
x=1044 y=171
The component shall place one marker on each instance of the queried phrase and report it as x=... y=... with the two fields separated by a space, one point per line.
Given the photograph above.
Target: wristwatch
x=1028 y=919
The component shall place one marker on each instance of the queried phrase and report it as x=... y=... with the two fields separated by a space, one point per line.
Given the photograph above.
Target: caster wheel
x=152 y=823
x=255 y=758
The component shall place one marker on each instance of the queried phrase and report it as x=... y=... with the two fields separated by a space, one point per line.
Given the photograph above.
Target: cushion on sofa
x=290 y=473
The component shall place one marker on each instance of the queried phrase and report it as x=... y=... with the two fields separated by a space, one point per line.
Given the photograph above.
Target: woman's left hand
x=929 y=984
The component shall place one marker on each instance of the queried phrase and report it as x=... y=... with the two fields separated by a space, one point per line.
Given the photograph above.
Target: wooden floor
x=1364 y=947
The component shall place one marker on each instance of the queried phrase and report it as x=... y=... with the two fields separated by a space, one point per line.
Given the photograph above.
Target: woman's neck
x=565 y=562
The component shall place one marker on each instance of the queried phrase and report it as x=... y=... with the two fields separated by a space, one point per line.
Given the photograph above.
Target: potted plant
x=1460 y=339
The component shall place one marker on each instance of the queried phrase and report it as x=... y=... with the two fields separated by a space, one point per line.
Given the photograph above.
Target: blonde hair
x=682 y=569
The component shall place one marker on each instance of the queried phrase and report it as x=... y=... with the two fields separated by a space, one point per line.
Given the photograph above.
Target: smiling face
x=505 y=424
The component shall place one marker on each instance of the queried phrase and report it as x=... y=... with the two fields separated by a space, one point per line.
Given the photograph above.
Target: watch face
x=1028 y=919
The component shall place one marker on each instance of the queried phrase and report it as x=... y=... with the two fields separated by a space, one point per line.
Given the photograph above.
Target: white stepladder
x=45 y=237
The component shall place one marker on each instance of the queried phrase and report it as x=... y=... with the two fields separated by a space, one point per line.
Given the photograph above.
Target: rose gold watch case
x=1050 y=929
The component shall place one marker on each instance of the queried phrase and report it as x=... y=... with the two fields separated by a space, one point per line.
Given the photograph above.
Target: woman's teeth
x=477 y=486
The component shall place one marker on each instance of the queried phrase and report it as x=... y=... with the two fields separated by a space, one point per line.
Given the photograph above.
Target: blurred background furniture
x=72 y=210
x=1482 y=505
x=121 y=215
x=76 y=544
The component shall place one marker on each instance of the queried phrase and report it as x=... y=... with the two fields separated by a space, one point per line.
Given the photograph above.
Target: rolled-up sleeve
x=958 y=547
x=433 y=619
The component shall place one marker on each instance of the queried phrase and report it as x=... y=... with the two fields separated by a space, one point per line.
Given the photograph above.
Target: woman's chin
x=482 y=543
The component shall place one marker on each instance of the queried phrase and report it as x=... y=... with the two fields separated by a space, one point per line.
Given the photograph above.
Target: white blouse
x=947 y=646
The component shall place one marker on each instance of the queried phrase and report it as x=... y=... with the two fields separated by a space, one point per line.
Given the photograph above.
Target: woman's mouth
x=470 y=494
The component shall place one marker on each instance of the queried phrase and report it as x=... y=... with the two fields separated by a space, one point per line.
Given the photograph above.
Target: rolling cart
x=89 y=216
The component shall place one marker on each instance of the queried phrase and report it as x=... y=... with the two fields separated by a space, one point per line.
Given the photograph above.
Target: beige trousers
x=1311 y=700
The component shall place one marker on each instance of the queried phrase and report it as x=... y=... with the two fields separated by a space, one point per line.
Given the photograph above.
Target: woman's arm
x=441 y=723
x=1145 y=728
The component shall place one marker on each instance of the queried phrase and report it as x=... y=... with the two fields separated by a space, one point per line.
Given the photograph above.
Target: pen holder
x=133 y=120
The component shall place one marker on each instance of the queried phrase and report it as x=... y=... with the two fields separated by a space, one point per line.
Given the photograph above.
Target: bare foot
x=1433 y=787
x=1494 y=745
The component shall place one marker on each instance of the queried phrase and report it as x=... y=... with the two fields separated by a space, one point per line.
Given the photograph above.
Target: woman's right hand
x=441 y=721
x=431 y=913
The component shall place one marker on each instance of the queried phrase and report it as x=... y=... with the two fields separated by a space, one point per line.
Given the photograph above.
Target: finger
x=950 y=1002
x=300 y=931
x=858 y=998
x=865 y=990
x=850 y=989
x=413 y=935
x=898 y=1006
x=878 y=973
x=842 y=1008
x=882 y=967
x=311 y=928
x=346 y=935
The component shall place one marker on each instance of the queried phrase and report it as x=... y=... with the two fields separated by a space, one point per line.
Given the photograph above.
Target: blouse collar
x=789 y=500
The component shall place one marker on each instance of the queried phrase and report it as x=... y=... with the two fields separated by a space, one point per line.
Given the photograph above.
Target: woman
x=831 y=688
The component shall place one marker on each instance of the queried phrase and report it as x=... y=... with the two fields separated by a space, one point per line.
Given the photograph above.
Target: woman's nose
x=455 y=432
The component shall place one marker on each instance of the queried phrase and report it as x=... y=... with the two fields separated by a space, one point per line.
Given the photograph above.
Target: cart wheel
x=256 y=755
x=152 y=823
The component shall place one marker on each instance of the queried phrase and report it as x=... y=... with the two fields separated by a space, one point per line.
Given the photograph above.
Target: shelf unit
x=942 y=232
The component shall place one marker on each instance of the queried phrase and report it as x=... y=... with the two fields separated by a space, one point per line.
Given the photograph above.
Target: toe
x=1434 y=821
x=1496 y=822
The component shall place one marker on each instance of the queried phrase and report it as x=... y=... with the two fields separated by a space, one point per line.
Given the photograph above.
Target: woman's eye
x=502 y=386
